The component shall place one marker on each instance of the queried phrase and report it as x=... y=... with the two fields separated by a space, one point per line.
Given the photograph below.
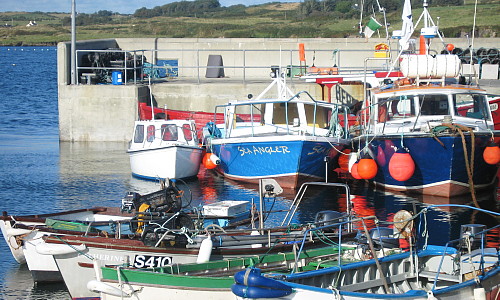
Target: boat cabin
x=159 y=133
x=284 y=117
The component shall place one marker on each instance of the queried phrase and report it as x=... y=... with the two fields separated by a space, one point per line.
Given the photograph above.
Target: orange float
x=209 y=161
x=354 y=171
x=401 y=166
x=367 y=168
x=491 y=154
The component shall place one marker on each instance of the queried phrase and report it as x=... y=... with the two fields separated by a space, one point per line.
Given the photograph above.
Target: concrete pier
x=106 y=112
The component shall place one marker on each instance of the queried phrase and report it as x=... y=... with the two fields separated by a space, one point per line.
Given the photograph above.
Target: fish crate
x=225 y=208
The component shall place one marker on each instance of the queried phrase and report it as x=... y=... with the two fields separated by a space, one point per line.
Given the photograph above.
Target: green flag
x=371 y=27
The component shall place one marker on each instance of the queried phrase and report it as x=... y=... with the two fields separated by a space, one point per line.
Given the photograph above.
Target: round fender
x=258 y=292
x=252 y=277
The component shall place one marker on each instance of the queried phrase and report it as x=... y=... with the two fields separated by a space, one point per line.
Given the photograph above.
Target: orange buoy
x=423 y=46
x=401 y=166
x=450 y=47
x=367 y=168
x=354 y=171
x=210 y=160
x=344 y=160
x=302 y=52
x=491 y=154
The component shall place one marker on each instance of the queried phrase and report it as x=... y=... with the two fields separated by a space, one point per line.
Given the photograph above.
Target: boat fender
x=479 y=294
x=101 y=287
x=255 y=292
x=353 y=158
x=205 y=250
x=430 y=296
x=214 y=159
x=252 y=277
x=54 y=249
x=255 y=232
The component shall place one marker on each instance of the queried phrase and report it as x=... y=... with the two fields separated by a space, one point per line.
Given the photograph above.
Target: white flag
x=407 y=28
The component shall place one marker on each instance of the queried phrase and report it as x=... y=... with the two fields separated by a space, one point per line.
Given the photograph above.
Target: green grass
x=262 y=21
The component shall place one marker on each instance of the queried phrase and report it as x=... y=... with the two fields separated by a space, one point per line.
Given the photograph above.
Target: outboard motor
x=329 y=217
x=129 y=201
x=469 y=233
x=383 y=237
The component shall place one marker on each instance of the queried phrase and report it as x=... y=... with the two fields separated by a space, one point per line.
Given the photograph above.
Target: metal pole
x=73 y=42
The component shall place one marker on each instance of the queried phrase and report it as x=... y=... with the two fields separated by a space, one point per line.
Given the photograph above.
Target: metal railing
x=139 y=66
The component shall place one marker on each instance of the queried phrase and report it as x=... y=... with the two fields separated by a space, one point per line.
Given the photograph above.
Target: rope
x=469 y=165
x=74 y=248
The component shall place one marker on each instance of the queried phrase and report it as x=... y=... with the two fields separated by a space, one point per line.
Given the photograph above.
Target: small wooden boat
x=464 y=268
x=211 y=280
x=161 y=243
x=163 y=148
x=166 y=207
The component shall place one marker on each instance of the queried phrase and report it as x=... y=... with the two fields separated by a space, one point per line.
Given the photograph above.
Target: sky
x=92 y=6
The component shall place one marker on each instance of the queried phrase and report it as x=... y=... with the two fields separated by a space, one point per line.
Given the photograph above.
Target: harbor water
x=41 y=175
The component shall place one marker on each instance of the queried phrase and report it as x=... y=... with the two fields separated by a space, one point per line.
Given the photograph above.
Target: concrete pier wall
x=106 y=112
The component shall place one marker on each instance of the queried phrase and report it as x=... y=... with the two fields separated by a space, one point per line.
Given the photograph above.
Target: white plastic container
x=428 y=66
x=446 y=65
x=413 y=66
x=225 y=208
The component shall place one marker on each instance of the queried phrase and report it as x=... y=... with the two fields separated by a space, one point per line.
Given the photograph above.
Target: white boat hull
x=77 y=270
x=166 y=162
x=164 y=292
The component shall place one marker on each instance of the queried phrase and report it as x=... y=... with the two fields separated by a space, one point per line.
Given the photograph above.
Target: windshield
x=471 y=106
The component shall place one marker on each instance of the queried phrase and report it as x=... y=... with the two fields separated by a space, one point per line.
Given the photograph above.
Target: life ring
x=381 y=47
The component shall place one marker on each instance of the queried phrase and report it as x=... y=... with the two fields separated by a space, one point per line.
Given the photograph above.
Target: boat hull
x=290 y=160
x=440 y=163
x=166 y=162
x=363 y=280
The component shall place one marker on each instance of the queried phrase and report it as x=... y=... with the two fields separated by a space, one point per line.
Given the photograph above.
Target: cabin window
x=169 y=132
x=322 y=116
x=471 y=106
x=396 y=108
x=284 y=110
x=188 y=134
x=151 y=133
x=431 y=105
x=139 y=134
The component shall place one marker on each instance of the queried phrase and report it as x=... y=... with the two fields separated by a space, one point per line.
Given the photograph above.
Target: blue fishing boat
x=290 y=137
x=421 y=138
x=464 y=268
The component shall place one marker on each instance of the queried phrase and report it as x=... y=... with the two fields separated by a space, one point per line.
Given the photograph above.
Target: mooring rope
x=469 y=164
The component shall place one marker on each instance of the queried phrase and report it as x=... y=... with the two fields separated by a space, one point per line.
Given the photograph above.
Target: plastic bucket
x=116 y=78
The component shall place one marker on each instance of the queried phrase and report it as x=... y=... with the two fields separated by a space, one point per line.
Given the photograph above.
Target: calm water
x=41 y=175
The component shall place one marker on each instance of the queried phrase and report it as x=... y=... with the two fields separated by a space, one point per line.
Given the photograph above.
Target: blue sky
x=91 y=6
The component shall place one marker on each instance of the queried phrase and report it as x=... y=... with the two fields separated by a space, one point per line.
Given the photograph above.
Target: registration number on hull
x=149 y=261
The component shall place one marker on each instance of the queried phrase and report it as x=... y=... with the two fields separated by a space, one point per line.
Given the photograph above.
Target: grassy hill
x=272 y=20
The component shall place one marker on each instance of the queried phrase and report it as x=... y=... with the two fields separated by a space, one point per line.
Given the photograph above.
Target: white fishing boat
x=162 y=148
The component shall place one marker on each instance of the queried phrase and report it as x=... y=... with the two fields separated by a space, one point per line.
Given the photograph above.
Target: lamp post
x=73 y=42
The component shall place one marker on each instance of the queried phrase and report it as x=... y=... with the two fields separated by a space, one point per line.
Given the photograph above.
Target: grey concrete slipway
x=105 y=112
